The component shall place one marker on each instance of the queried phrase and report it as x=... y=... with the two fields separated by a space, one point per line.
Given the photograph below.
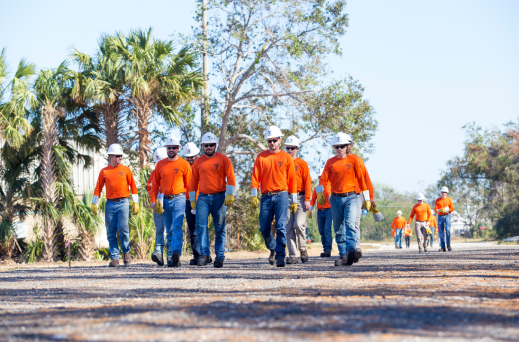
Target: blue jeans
x=408 y=241
x=344 y=213
x=191 y=225
x=398 y=237
x=270 y=207
x=159 y=232
x=116 y=217
x=444 y=229
x=431 y=236
x=324 y=223
x=173 y=220
x=214 y=205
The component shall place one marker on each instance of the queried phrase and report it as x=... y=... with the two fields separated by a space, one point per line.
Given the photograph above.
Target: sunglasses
x=209 y=145
x=272 y=140
x=118 y=155
x=340 y=146
x=172 y=147
x=291 y=148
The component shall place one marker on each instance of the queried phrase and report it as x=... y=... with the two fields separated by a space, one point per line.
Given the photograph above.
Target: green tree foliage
x=488 y=175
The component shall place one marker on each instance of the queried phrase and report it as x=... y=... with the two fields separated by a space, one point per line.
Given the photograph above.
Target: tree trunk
x=48 y=178
x=86 y=249
x=143 y=114
x=110 y=121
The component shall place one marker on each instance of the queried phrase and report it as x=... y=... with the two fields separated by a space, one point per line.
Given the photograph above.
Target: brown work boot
x=304 y=256
x=114 y=263
x=127 y=259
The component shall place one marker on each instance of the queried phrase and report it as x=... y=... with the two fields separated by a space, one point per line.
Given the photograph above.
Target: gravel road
x=400 y=295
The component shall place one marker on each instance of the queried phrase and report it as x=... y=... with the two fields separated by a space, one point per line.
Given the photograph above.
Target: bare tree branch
x=246 y=137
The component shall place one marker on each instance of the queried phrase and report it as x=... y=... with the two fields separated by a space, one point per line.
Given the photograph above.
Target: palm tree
x=158 y=80
x=51 y=88
x=14 y=125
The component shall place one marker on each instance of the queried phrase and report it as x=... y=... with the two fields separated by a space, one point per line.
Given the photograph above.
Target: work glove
x=441 y=211
x=320 y=199
x=229 y=200
x=428 y=230
x=93 y=209
x=254 y=202
x=136 y=208
x=193 y=205
x=374 y=209
x=310 y=214
x=367 y=205
x=158 y=208
x=446 y=210
x=293 y=208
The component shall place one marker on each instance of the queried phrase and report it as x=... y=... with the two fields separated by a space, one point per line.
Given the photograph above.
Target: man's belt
x=324 y=209
x=272 y=193
x=170 y=197
x=345 y=194
x=302 y=193
x=116 y=199
x=215 y=194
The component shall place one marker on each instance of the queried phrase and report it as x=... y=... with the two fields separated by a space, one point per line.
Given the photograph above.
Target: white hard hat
x=273 y=132
x=444 y=189
x=160 y=154
x=399 y=212
x=292 y=141
x=420 y=196
x=190 y=150
x=115 y=149
x=172 y=141
x=341 y=139
x=209 y=138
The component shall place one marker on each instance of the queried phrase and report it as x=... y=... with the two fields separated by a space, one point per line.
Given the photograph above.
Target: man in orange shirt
x=444 y=208
x=274 y=171
x=157 y=256
x=296 y=229
x=213 y=175
x=399 y=223
x=343 y=171
x=324 y=218
x=422 y=211
x=172 y=177
x=118 y=178
x=433 y=226
x=408 y=232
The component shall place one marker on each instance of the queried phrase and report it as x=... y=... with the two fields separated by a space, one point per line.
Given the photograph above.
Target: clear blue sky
x=428 y=67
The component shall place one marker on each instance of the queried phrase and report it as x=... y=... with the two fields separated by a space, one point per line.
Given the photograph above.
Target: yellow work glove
x=367 y=205
x=441 y=211
x=310 y=214
x=136 y=208
x=254 y=202
x=193 y=205
x=428 y=230
x=293 y=208
x=93 y=209
x=158 y=208
x=374 y=209
x=229 y=200
x=320 y=199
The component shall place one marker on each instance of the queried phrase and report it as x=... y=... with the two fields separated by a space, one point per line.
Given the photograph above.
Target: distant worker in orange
x=408 y=232
x=422 y=211
x=343 y=172
x=157 y=256
x=213 y=176
x=398 y=225
x=444 y=208
x=117 y=178
x=433 y=226
x=324 y=218
x=172 y=177
x=274 y=172
x=296 y=230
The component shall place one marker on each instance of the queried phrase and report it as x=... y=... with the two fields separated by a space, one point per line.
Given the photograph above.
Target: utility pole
x=204 y=113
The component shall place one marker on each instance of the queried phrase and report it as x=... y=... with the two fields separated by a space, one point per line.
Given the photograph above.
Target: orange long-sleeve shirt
x=212 y=175
x=442 y=203
x=398 y=223
x=433 y=222
x=304 y=181
x=408 y=232
x=150 y=181
x=197 y=190
x=326 y=192
x=117 y=180
x=343 y=174
x=275 y=172
x=422 y=212
x=172 y=177
x=366 y=178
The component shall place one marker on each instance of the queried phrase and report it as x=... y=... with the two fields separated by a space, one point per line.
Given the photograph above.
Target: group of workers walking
x=425 y=223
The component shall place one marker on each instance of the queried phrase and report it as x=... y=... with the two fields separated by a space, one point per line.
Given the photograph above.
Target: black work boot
x=304 y=256
x=341 y=262
x=218 y=263
x=209 y=259
x=449 y=248
x=326 y=254
x=358 y=255
x=280 y=262
x=442 y=250
x=350 y=256
x=272 y=257
x=193 y=261
x=157 y=258
x=175 y=258
x=291 y=260
x=203 y=260
x=169 y=262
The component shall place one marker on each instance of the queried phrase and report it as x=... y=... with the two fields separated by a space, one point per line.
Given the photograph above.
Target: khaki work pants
x=296 y=229
x=421 y=234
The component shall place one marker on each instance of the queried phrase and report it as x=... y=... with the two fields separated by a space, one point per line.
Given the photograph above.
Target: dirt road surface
x=469 y=294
